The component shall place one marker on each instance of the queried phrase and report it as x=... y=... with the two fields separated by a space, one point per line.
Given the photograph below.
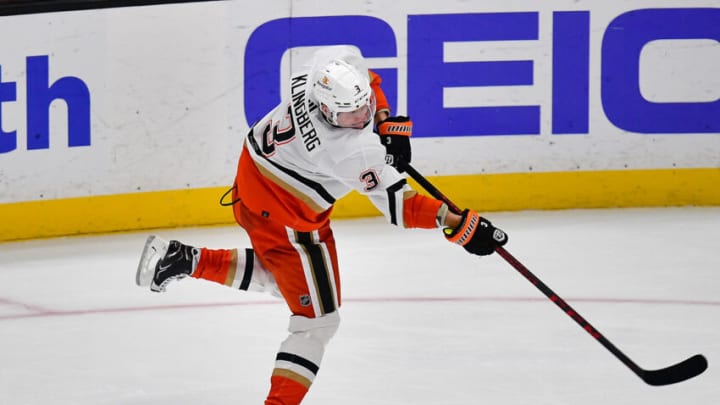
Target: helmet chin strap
x=366 y=123
x=339 y=126
x=327 y=119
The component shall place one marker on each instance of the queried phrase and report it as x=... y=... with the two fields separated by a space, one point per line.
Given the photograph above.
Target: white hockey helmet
x=339 y=87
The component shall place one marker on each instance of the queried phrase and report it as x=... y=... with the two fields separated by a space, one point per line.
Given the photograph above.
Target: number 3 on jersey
x=370 y=179
x=281 y=132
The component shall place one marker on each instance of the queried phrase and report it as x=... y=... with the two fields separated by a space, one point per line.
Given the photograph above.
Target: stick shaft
x=675 y=373
x=547 y=291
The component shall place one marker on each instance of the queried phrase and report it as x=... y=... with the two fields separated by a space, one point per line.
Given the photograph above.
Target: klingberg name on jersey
x=302 y=115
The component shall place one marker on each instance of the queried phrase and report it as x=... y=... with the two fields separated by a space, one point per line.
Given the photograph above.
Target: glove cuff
x=392 y=127
x=464 y=232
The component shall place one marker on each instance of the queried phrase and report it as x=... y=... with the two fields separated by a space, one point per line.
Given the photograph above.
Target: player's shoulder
x=347 y=142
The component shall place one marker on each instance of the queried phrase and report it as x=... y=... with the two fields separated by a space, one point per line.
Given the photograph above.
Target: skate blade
x=155 y=248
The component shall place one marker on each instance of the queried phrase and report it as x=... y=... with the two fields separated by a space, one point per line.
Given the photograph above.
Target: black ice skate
x=161 y=262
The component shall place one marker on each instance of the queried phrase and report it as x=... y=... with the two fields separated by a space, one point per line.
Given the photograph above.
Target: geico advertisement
x=157 y=98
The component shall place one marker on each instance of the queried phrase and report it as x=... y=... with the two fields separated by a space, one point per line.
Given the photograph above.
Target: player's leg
x=239 y=269
x=299 y=357
x=163 y=261
x=306 y=271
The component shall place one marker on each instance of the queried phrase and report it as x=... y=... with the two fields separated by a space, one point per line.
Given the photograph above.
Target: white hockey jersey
x=295 y=165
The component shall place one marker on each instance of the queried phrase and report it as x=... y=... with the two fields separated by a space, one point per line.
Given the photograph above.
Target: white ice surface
x=423 y=322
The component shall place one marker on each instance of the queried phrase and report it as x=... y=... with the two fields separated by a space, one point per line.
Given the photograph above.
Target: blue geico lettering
x=624 y=39
x=428 y=74
x=40 y=94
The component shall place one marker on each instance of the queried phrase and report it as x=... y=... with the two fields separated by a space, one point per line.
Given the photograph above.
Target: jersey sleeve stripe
x=394 y=199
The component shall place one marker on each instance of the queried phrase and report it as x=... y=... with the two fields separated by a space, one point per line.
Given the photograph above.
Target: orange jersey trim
x=274 y=199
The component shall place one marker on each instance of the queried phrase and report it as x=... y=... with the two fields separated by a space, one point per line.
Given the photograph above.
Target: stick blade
x=676 y=373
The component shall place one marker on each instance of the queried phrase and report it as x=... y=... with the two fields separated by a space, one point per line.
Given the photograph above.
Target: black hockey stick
x=676 y=373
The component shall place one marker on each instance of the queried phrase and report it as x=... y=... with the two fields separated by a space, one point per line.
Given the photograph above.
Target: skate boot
x=163 y=261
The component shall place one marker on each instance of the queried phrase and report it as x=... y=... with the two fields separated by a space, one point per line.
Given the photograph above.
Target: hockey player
x=313 y=148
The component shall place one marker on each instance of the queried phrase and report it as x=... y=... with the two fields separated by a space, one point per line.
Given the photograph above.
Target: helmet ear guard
x=339 y=87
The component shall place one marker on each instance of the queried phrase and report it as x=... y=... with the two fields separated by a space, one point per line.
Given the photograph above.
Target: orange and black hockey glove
x=395 y=136
x=476 y=234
